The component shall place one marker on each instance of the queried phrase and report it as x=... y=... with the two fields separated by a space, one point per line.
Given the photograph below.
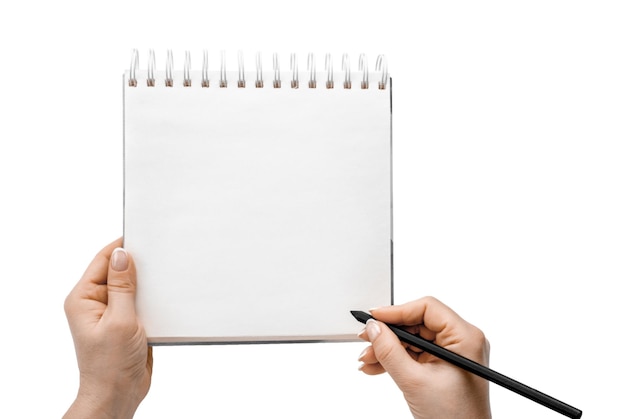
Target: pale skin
x=113 y=356
x=432 y=388
x=115 y=361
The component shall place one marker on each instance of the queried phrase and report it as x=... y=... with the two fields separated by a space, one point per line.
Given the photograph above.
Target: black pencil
x=478 y=369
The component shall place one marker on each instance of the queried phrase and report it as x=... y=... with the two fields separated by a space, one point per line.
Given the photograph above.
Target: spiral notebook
x=257 y=198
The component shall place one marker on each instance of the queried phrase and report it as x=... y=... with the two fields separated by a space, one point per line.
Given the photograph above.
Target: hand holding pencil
x=434 y=330
x=433 y=388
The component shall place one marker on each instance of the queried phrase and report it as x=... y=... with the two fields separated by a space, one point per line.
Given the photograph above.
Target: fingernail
x=360 y=334
x=363 y=354
x=361 y=366
x=373 y=330
x=119 y=260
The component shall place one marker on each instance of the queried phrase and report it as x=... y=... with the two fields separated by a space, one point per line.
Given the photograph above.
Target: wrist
x=101 y=403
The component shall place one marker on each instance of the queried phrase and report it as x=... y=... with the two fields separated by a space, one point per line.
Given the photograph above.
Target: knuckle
x=68 y=304
x=429 y=300
x=479 y=345
x=121 y=285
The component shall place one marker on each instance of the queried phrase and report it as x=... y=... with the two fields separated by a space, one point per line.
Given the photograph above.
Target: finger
x=92 y=285
x=97 y=269
x=429 y=311
x=372 y=369
x=368 y=356
x=390 y=352
x=121 y=284
x=369 y=363
x=363 y=335
x=426 y=333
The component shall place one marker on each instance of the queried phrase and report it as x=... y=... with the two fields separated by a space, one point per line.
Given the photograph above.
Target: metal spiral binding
x=205 y=68
x=186 y=70
x=276 y=65
x=293 y=64
x=345 y=66
x=310 y=65
x=134 y=63
x=241 y=81
x=169 y=65
x=381 y=67
x=365 y=84
x=259 y=72
x=328 y=66
x=223 y=81
x=151 y=64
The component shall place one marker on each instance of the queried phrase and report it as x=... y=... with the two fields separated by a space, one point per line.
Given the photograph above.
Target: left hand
x=114 y=358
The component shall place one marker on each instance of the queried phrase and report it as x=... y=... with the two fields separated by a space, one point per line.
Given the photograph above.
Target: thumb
x=121 y=284
x=391 y=354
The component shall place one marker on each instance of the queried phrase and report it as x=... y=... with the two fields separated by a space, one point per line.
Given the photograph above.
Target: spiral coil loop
x=258 y=83
x=328 y=65
x=241 y=80
x=293 y=64
x=205 y=68
x=223 y=81
x=150 y=81
x=169 y=65
x=310 y=65
x=134 y=64
x=381 y=65
x=276 y=66
x=186 y=70
x=345 y=66
x=365 y=84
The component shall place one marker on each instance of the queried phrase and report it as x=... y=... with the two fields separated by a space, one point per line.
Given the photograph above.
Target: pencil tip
x=360 y=315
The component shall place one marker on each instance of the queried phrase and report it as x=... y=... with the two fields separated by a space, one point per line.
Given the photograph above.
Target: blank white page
x=257 y=214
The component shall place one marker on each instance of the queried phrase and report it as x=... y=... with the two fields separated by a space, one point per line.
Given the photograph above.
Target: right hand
x=433 y=388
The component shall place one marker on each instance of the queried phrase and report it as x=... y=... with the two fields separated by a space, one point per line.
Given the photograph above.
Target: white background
x=509 y=192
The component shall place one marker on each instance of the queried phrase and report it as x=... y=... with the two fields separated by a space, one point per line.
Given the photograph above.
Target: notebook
x=257 y=197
